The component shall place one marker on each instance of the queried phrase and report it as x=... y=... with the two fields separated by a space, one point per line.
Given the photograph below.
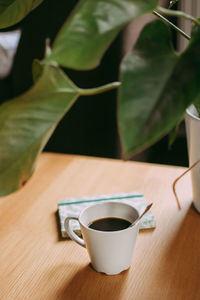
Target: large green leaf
x=4 y=4
x=157 y=86
x=13 y=11
x=27 y=122
x=91 y=28
x=36 y=3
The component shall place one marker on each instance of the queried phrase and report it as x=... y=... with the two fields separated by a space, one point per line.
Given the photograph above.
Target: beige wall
x=132 y=31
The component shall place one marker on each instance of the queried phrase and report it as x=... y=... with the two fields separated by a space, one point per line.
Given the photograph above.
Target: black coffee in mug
x=109 y=224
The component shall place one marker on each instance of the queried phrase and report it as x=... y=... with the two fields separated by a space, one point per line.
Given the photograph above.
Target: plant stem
x=99 y=90
x=172 y=3
x=177 y=13
x=172 y=25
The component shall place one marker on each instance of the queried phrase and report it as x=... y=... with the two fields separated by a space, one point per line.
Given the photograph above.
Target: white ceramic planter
x=192 y=122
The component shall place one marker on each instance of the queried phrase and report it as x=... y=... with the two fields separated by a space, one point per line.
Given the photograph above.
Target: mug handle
x=71 y=233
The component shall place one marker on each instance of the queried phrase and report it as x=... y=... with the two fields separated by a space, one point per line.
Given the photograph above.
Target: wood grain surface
x=35 y=263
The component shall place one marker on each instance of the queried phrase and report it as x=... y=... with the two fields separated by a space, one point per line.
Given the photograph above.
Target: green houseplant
x=156 y=84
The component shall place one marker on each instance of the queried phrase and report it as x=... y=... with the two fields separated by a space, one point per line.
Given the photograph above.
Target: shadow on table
x=182 y=260
x=89 y=285
x=57 y=219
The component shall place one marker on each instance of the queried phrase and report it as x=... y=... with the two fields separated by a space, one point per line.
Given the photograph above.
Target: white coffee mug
x=110 y=251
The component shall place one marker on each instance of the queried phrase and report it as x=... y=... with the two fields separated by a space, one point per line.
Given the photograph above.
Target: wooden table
x=36 y=264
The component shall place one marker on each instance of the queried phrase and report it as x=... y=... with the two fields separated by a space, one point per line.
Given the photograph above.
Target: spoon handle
x=144 y=212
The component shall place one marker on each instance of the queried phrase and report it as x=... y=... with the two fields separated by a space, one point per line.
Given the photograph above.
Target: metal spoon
x=144 y=212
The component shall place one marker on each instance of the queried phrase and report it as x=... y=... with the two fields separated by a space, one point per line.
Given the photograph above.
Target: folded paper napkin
x=73 y=206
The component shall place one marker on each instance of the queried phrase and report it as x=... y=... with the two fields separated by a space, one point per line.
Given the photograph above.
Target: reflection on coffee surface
x=109 y=224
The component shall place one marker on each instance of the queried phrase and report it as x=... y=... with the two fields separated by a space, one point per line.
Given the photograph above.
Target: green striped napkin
x=73 y=206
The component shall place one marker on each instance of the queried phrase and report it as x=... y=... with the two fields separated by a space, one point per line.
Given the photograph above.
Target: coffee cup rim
x=105 y=203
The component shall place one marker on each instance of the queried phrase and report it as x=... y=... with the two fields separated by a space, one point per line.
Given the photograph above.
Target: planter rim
x=191 y=111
